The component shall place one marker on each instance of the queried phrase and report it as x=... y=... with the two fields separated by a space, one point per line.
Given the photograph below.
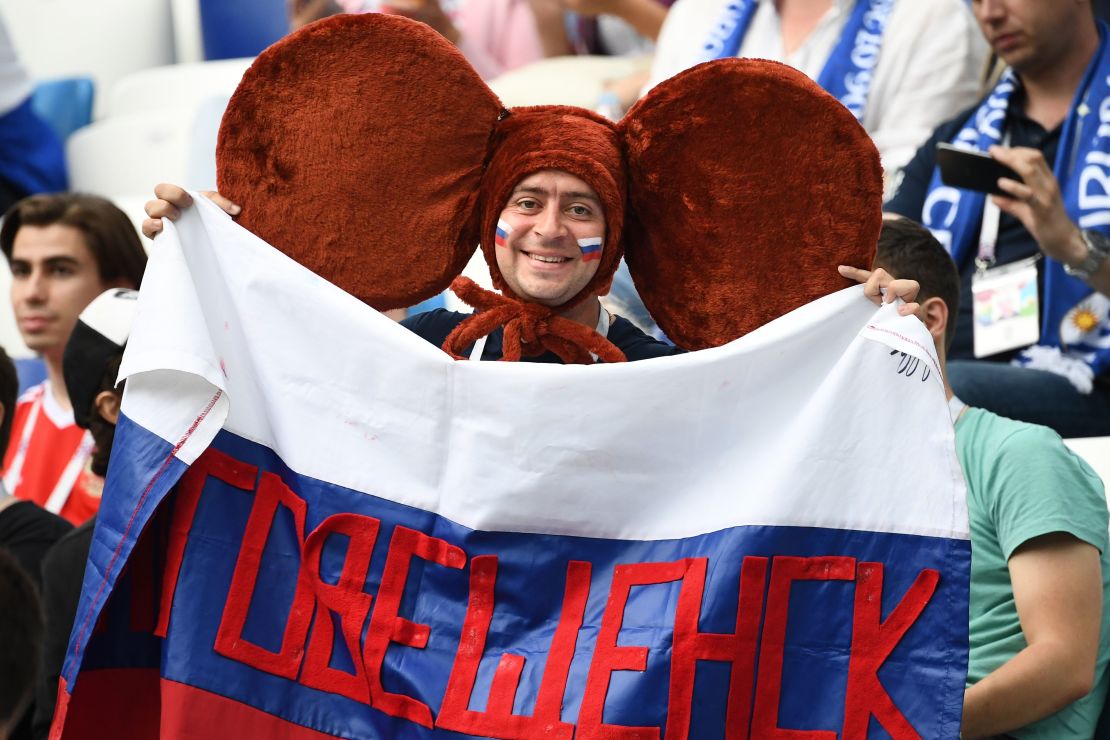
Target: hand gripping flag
x=316 y=524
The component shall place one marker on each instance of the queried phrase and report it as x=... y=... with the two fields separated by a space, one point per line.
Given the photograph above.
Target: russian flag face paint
x=503 y=231
x=591 y=248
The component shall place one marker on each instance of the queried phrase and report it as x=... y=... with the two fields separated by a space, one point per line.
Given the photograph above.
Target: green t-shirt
x=1022 y=483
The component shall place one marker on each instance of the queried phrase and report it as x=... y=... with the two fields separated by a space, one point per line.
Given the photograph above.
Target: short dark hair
x=9 y=392
x=108 y=231
x=103 y=431
x=21 y=635
x=909 y=250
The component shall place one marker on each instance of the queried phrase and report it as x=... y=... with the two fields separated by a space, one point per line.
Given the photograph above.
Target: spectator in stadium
x=900 y=66
x=1040 y=619
x=31 y=156
x=20 y=642
x=91 y=365
x=63 y=251
x=1046 y=119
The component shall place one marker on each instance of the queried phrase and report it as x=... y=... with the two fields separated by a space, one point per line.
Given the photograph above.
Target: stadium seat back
x=65 y=104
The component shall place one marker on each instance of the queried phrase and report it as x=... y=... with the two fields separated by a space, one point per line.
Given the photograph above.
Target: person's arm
x=646 y=16
x=170 y=200
x=1038 y=204
x=429 y=12
x=551 y=28
x=1057 y=584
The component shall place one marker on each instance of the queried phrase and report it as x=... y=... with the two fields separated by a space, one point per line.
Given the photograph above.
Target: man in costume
x=901 y=67
x=1040 y=626
x=63 y=250
x=1047 y=119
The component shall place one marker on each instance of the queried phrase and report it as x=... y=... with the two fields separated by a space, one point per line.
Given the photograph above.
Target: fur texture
x=356 y=147
x=749 y=184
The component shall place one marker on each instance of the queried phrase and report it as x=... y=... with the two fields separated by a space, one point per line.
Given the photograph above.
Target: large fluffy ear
x=748 y=185
x=356 y=146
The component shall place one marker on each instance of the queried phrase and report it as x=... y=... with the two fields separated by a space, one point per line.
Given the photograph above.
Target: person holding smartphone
x=1033 y=333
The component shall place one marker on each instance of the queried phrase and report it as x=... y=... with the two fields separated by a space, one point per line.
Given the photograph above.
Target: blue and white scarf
x=849 y=70
x=1075 y=328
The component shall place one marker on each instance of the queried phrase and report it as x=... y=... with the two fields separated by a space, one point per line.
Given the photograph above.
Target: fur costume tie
x=530 y=329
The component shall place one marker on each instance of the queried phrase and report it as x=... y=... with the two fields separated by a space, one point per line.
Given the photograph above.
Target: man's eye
x=580 y=210
x=528 y=203
x=20 y=271
x=61 y=271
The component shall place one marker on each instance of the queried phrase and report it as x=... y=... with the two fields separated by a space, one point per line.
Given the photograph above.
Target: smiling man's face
x=552 y=245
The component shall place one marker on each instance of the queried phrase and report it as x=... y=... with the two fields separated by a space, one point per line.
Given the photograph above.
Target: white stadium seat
x=564 y=80
x=176 y=85
x=1096 y=451
x=128 y=155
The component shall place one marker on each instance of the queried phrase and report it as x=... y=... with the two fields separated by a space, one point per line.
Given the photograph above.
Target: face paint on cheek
x=502 y=233
x=591 y=248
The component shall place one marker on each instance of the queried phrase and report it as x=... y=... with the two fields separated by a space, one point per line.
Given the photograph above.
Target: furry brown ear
x=355 y=146
x=748 y=185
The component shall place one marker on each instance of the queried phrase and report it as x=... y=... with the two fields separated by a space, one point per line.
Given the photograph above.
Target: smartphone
x=971 y=170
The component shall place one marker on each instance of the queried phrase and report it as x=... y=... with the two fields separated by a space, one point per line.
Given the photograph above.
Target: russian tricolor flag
x=301 y=539
x=502 y=232
x=591 y=248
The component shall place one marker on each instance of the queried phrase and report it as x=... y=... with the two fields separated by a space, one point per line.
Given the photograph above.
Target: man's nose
x=34 y=287
x=991 y=9
x=550 y=224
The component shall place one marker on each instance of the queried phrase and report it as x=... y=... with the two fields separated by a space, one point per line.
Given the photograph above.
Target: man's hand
x=1037 y=203
x=880 y=288
x=169 y=202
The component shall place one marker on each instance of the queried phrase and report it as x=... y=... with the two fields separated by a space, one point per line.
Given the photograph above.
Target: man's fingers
x=1017 y=190
x=162 y=209
x=228 y=207
x=908 y=309
x=854 y=273
x=152 y=227
x=174 y=194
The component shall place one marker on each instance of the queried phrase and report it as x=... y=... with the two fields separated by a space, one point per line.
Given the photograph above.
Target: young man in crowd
x=1040 y=623
x=1042 y=244
x=63 y=251
x=900 y=66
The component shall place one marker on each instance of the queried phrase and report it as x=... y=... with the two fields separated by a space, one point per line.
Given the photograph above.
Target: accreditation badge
x=1005 y=306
